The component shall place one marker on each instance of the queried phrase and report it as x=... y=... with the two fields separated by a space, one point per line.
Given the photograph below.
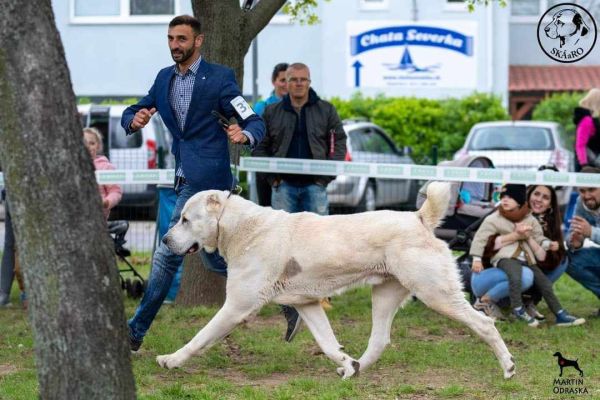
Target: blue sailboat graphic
x=407 y=64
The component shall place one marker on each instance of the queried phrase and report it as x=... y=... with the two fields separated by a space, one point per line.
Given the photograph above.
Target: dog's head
x=557 y=354
x=198 y=225
x=566 y=23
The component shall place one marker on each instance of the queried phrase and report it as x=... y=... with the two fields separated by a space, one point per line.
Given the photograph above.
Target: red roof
x=523 y=78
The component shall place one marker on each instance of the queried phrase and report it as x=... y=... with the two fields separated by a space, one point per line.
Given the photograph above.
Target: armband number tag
x=242 y=107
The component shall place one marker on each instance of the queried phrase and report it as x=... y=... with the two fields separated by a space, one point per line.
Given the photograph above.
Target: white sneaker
x=490 y=309
x=533 y=312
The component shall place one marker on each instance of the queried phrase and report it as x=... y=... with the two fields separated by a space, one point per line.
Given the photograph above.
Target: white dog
x=568 y=26
x=297 y=259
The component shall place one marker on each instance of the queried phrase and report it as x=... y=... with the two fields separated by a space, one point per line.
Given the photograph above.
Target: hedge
x=422 y=123
x=559 y=108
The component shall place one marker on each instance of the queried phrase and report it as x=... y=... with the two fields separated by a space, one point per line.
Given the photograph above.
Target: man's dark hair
x=281 y=67
x=588 y=169
x=187 y=20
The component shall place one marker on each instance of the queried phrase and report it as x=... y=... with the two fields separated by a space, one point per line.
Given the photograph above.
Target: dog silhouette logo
x=567 y=32
x=564 y=363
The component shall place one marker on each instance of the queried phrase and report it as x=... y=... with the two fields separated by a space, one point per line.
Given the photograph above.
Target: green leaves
x=422 y=123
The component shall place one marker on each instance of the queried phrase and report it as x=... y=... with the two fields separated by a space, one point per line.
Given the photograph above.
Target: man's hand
x=235 y=134
x=141 y=118
x=477 y=267
x=576 y=240
x=581 y=226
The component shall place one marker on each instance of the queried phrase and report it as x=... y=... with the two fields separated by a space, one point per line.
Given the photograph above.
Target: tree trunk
x=228 y=31
x=68 y=261
x=199 y=286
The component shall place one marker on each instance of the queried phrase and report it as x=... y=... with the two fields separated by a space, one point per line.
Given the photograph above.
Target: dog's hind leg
x=386 y=299
x=451 y=302
x=227 y=318
x=316 y=320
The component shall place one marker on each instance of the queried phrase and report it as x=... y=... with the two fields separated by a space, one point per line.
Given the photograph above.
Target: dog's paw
x=169 y=361
x=510 y=371
x=348 y=372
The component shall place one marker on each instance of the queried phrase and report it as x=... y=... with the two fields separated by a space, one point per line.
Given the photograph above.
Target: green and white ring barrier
x=389 y=171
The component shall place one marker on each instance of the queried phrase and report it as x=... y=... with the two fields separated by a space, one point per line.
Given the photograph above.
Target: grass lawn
x=430 y=356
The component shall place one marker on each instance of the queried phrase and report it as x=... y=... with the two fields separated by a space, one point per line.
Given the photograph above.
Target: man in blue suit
x=185 y=95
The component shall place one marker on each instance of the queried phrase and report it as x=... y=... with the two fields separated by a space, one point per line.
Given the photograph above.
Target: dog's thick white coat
x=297 y=259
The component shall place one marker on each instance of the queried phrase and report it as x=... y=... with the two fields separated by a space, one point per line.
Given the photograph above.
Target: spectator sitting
x=528 y=245
x=110 y=194
x=584 y=262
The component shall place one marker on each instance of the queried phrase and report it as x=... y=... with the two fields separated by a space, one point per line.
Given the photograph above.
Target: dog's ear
x=213 y=203
x=578 y=21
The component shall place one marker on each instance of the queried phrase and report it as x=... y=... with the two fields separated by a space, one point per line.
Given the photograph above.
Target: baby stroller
x=470 y=203
x=134 y=287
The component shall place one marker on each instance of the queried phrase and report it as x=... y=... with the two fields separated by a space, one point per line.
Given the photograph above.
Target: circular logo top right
x=567 y=32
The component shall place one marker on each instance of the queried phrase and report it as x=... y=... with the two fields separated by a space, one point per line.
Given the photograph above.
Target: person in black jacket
x=303 y=126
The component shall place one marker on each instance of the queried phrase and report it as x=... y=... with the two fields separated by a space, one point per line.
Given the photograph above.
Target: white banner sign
x=433 y=54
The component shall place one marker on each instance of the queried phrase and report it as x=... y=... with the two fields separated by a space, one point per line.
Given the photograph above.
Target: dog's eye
x=184 y=220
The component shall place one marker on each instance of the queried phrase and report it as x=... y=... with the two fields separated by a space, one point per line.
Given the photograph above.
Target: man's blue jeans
x=164 y=266
x=294 y=199
x=584 y=267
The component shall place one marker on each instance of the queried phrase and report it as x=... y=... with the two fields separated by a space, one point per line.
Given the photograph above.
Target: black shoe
x=293 y=322
x=134 y=344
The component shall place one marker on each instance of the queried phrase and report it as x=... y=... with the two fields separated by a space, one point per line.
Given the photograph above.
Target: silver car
x=520 y=145
x=369 y=143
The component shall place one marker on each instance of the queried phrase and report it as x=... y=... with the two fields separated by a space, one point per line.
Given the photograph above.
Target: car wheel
x=367 y=203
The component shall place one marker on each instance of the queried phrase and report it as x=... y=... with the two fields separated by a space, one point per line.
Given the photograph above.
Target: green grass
x=430 y=357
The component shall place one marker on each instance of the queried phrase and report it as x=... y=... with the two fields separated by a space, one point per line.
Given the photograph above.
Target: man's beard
x=592 y=204
x=185 y=55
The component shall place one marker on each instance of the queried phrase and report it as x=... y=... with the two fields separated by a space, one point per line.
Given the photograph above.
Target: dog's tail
x=436 y=204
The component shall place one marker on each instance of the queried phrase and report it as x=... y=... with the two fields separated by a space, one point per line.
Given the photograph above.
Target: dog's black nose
x=164 y=239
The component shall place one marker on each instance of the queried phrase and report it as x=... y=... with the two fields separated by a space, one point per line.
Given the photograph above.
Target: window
x=371 y=141
x=119 y=139
x=457 y=5
x=369 y=5
x=123 y=11
x=512 y=138
x=525 y=8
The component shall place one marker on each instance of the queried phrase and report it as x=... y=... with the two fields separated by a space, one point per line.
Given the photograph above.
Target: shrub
x=424 y=123
x=559 y=108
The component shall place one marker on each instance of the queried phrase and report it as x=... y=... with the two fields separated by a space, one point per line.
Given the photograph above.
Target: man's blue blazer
x=202 y=147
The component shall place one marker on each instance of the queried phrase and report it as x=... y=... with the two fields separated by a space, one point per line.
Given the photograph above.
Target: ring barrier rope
x=375 y=170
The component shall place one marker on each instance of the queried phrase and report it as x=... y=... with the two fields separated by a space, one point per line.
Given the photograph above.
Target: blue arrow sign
x=357 y=66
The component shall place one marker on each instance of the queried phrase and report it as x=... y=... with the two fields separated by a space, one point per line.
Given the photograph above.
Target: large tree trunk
x=229 y=31
x=75 y=301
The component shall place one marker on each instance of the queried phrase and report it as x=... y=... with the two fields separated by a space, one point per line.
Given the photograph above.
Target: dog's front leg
x=227 y=318
x=315 y=318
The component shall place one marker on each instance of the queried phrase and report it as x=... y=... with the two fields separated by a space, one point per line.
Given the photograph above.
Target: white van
x=148 y=149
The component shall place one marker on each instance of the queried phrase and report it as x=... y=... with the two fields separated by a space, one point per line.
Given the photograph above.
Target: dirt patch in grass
x=431 y=334
x=7 y=369
x=239 y=378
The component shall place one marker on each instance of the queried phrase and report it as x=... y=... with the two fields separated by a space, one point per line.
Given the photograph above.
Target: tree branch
x=259 y=16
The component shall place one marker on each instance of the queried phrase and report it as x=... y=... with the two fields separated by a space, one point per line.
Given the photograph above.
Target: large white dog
x=297 y=259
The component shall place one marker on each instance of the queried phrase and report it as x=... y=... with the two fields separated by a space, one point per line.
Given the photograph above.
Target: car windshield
x=370 y=141
x=512 y=138
x=119 y=139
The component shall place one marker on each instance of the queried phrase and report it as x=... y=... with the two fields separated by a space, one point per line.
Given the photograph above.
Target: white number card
x=242 y=107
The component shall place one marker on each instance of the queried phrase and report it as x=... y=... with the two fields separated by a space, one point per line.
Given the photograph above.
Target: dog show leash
x=236 y=151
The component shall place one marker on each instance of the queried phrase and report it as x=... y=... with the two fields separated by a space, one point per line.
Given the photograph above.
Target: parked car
x=521 y=145
x=369 y=143
x=148 y=149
